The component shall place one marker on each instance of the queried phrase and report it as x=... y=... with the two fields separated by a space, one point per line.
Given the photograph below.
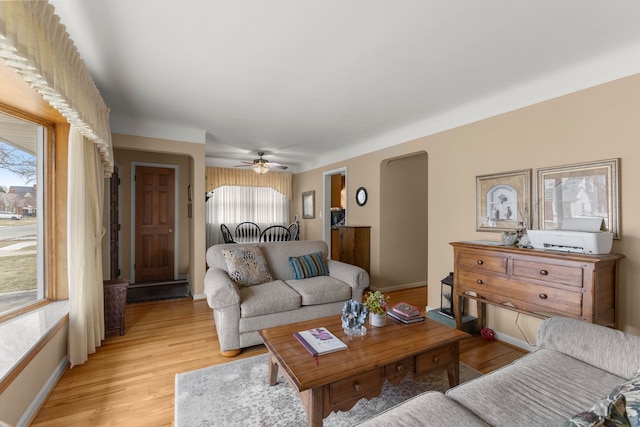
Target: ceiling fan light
x=260 y=169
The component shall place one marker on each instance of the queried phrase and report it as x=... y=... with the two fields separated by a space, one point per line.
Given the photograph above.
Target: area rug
x=237 y=394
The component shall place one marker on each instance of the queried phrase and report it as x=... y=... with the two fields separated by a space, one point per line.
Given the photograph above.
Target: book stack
x=405 y=313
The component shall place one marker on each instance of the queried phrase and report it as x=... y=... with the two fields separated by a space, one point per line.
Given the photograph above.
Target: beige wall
x=594 y=124
x=189 y=158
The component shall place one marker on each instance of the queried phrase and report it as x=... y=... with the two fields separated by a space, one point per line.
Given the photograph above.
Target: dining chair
x=275 y=233
x=294 y=230
x=226 y=234
x=248 y=231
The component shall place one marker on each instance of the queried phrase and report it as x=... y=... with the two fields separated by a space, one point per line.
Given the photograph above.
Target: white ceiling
x=313 y=82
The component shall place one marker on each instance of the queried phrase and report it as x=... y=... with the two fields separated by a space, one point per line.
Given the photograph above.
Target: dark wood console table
x=539 y=283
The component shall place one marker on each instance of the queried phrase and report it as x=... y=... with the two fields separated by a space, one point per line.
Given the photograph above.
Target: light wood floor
x=129 y=381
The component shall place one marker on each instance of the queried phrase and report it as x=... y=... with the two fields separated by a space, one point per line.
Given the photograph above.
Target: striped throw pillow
x=311 y=265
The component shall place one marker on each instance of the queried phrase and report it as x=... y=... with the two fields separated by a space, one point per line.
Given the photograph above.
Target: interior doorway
x=403 y=222
x=334 y=206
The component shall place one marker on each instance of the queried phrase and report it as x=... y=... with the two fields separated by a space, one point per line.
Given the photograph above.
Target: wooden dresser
x=352 y=245
x=536 y=282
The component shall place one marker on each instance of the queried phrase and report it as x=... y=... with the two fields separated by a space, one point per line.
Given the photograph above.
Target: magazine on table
x=405 y=319
x=319 y=341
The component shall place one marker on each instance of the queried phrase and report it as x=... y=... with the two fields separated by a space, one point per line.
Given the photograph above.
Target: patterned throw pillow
x=311 y=265
x=619 y=408
x=247 y=266
x=631 y=392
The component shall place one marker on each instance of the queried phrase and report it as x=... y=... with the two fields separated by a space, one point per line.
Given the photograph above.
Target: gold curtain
x=37 y=46
x=280 y=181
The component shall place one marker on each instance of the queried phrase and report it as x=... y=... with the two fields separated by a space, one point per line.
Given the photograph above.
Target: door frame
x=326 y=202
x=176 y=234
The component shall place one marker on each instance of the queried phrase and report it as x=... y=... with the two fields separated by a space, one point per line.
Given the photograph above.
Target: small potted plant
x=376 y=303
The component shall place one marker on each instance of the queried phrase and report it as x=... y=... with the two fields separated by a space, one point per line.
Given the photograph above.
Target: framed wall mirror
x=361 y=196
x=308 y=205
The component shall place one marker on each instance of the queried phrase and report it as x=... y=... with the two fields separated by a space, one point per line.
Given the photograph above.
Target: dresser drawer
x=483 y=260
x=561 y=274
x=436 y=359
x=501 y=290
x=356 y=387
x=478 y=281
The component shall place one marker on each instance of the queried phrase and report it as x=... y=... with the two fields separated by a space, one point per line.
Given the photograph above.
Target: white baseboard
x=508 y=339
x=390 y=288
x=199 y=296
x=41 y=397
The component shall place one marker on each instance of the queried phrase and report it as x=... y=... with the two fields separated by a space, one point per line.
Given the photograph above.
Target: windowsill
x=21 y=335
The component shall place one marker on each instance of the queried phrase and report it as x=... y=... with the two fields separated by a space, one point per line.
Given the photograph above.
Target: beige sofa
x=240 y=311
x=580 y=375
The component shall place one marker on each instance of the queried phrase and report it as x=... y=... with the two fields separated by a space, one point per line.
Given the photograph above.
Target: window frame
x=45 y=260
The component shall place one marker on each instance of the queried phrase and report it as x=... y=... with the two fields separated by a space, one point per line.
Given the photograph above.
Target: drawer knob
x=400 y=368
x=480 y=262
x=479 y=281
x=544 y=272
x=436 y=360
x=543 y=296
x=357 y=386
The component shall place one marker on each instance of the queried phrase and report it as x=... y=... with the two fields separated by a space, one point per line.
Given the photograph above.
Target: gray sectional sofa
x=576 y=377
x=278 y=298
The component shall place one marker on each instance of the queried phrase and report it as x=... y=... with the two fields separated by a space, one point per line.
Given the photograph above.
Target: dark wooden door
x=155 y=223
x=114 y=223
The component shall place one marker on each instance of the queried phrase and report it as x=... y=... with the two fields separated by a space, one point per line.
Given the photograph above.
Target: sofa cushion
x=544 y=388
x=267 y=298
x=311 y=265
x=321 y=290
x=246 y=265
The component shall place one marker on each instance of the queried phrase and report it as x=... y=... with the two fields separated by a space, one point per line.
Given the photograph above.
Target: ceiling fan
x=261 y=165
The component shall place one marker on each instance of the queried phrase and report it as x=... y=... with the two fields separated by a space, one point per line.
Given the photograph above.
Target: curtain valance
x=37 y=46
x=280 y=181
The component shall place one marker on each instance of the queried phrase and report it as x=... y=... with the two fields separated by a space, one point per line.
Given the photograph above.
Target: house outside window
x=21 y=221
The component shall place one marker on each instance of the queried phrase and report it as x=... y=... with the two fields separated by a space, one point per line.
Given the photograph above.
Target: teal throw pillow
x=311 y=265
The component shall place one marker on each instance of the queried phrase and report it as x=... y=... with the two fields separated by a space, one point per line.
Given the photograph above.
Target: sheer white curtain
x=232 y=205
x=84 y=251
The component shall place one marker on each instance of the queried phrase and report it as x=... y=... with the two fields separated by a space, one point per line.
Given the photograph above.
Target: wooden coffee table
x=342 y=378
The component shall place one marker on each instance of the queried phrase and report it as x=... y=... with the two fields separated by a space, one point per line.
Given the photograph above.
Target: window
x=21 y=213
x=232 y=205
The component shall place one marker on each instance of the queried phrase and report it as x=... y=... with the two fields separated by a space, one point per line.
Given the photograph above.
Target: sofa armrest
x=608 y=349
x=220 y=290
x=430 y=408
x=352 y=275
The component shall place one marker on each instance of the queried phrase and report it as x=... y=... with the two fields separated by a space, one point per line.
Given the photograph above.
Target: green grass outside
x=18 y=273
